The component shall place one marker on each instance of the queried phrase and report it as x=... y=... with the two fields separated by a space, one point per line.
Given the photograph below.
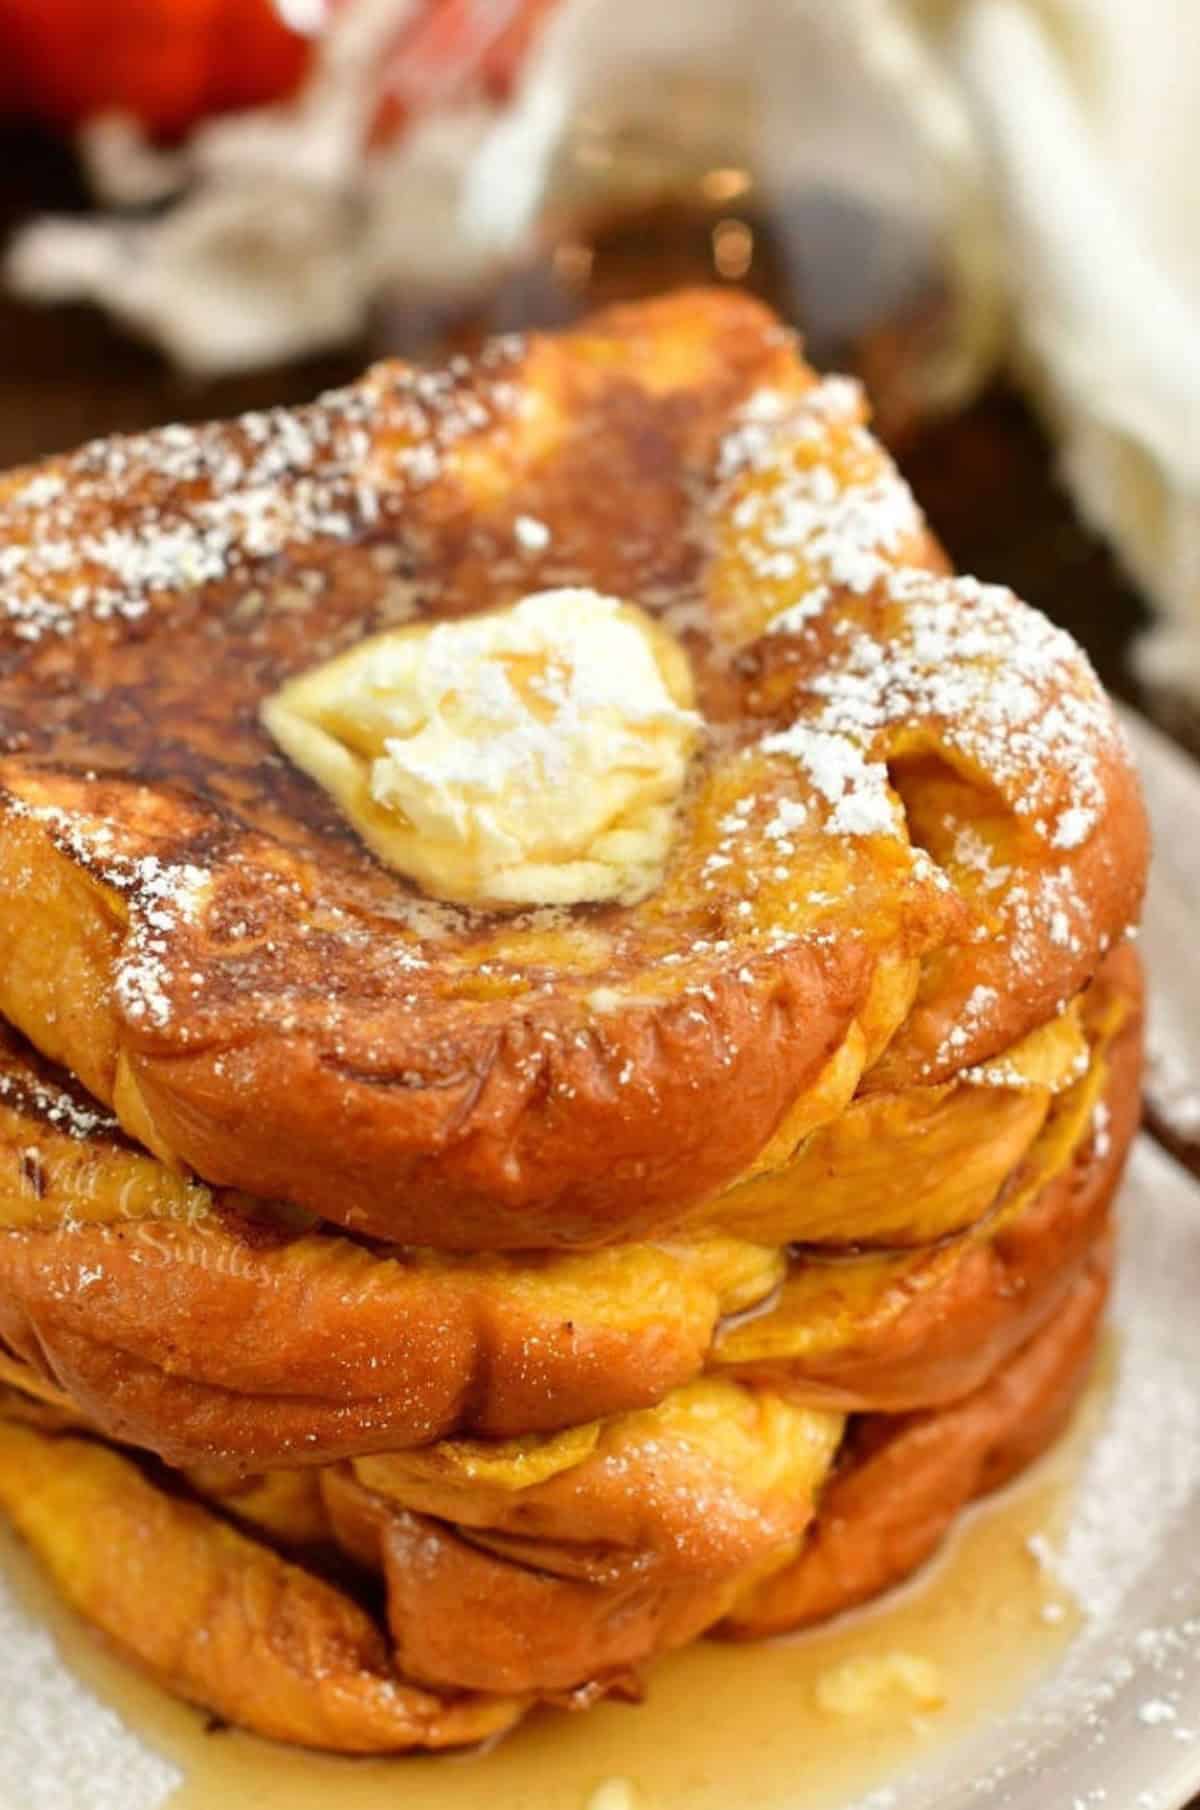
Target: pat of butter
x=532 y=755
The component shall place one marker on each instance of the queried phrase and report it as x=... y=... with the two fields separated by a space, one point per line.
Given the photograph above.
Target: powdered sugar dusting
x=974 y=854
x=164 y=896
x=908 y=660
x=189 y=506
x=530 y=534
x=1003 y=688
x=1044 y=903
x=978 y=1007
x=159 y=896
x=754 y=438
x=987 y=680
x=1002 y=1071
x=971 y=669
x=24 y=1091
x=855 y=788
x=1101 y=1135
x=832 y=527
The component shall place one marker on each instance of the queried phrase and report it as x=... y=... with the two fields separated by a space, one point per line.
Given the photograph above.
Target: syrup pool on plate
x=814 y=1722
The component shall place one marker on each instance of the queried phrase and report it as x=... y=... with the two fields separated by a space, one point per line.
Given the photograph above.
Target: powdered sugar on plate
x=61 y=1747
x=1144 y=1470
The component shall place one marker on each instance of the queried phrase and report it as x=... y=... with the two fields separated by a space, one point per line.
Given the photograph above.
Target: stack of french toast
x=572 y=1027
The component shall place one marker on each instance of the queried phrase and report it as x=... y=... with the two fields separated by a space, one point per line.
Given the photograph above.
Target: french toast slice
x=905 y=1477
x=204 y=1325
x=192 y=925
x=482 y=1624
x=216 y=1617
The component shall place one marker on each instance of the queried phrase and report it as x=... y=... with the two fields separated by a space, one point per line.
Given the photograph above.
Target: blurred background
x=983 y=207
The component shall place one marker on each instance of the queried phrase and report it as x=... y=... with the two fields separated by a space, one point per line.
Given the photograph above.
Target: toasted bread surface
x=204 y=1325
x=190 y=925
x=904 y=1478
x=483 y=1624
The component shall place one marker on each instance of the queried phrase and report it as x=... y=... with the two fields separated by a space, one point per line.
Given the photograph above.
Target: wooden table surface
x=985 y=478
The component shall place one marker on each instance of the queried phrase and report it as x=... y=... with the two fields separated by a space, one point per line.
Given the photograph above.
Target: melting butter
x=528 y=756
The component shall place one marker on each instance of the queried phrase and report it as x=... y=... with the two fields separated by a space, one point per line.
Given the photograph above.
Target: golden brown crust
x=313 y=1352
x=218 y=1618
x=551 y=1613
x=895 y=1171
x=905 y=1478
x=580 y=1576
x=287 y=1506
x=926 y=1329
x=188 y=925
x=1048 y=923
x=994 y=733
x=710 y=1480
x=531 y=1630
x=553 y=1603
x=221 y=1619
x=199 y=1325
x=202 y=1327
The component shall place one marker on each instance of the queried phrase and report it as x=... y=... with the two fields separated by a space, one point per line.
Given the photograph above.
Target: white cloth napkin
x=1090 y=112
